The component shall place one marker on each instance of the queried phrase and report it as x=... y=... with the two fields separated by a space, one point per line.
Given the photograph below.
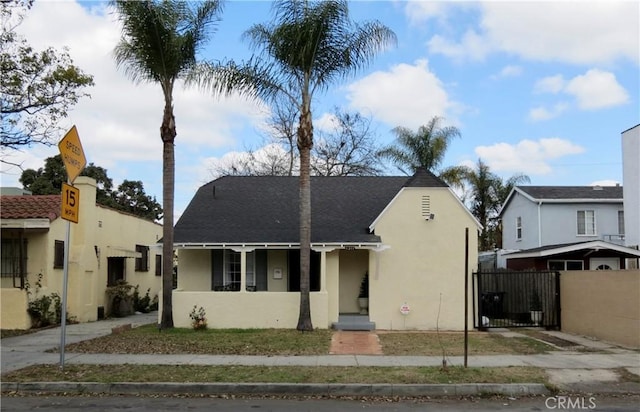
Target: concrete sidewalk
x=570 y=370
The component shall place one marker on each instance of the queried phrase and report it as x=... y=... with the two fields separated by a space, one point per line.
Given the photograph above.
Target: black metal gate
x=510 y=299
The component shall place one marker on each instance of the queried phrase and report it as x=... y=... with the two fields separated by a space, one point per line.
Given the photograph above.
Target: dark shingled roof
x=264 y=209
x=30 y=207
x=573 y=192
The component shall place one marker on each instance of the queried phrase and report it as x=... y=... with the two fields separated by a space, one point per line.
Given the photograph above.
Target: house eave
x=43 y=223
x=594 y=245
x=276 y=245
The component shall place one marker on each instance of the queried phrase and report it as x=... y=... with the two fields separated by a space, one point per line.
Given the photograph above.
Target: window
x=11 y=253
x=142 y=263
x=586 y=223
x=58 y=255
x=565 y=264
x=158 y=265
x=232 y=262
x=519 y=228
x=621 y=222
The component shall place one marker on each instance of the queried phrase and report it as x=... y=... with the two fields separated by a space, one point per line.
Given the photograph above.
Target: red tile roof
x=30 y=207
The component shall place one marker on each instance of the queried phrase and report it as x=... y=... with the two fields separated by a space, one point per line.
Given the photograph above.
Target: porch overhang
x=256 y=245
x=587 y=247
x=116 y=251
x=25 y=223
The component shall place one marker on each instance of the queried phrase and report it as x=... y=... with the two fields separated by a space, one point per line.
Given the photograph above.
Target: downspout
x=539 y=224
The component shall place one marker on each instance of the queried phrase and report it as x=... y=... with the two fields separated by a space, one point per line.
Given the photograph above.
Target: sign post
x=74 y=161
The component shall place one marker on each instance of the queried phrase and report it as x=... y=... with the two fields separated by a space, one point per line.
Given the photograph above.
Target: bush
x=121 y=298
x=141 y=304
x=198 y=318
x=44 y=310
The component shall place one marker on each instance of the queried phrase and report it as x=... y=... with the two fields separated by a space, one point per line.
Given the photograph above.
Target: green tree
x=487 y=192
x=308 y=46
x=131 y=197
x=159 y=43
x=37 y=88
x=426 y=149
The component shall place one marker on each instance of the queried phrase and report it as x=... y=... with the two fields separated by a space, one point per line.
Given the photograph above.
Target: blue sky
x=542 y=88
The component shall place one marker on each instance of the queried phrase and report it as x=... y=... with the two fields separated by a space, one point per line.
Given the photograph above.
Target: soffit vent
x=426 y=207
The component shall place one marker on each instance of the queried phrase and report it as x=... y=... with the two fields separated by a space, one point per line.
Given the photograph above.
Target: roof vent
x=597 y=187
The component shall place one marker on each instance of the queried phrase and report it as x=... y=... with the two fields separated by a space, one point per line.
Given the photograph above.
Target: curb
x=330 y=389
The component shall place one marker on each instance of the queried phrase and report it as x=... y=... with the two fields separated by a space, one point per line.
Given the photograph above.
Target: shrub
x=121 y=298
x=141 y=304
x=44 y=310
x=198 y=318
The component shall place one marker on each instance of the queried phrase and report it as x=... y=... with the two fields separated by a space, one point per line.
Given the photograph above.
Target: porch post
x=243 y=270
x=377 y=250
x=323 y=264
x=243 y=265
x=323 y=271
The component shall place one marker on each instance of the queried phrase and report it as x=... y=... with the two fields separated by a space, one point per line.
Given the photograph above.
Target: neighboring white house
x=537 y=216
x=631 y=181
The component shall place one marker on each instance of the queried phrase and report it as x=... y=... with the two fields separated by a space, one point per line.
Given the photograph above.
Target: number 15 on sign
x=70 y=203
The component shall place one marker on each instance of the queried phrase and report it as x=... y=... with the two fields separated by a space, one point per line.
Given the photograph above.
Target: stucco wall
x=424 y=266
x=13 y=303
x=98 y=231
x=528 y=211
x=249 y=310
x=602 y=304
x=631 y=184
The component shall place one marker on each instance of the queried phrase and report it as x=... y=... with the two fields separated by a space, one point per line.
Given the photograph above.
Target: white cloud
x=510 y=71
x=542 y=113
x=407 y=95
x=550 y=84
x=573 y=32
x=527 y=156
x=119 y=125
x=597 y=89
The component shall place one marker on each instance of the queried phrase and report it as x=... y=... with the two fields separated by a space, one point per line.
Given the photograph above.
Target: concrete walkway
x=570 y=370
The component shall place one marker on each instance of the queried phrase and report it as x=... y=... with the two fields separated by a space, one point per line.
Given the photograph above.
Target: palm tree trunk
x=168 y=134
x=305 y=143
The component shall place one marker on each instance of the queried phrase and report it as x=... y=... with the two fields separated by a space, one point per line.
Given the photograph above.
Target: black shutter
x=217 y=269
x=261 y=269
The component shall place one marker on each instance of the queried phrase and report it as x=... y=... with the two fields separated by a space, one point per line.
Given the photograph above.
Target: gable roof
x=264 y=209
x=553 y=250
x=567 y=194
x=30 y=207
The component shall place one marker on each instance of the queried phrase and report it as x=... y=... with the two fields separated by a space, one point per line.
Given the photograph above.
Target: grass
x=272 y=342
x=275 y=374
x=268 y=342
x=283 y=342
x=452 y=343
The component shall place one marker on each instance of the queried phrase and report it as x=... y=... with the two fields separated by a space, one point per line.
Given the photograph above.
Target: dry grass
x=452 y=344
x=273 y=374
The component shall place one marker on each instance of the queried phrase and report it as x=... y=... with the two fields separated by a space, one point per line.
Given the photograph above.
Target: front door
x=115 y=270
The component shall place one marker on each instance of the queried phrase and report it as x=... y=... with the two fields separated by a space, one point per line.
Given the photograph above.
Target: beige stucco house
x=238 y=253
x=105 y=245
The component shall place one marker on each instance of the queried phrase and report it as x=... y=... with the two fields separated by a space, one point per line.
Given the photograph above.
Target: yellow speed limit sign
x=70 y=203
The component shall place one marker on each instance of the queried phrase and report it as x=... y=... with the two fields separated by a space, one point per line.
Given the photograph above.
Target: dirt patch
x=552 y=339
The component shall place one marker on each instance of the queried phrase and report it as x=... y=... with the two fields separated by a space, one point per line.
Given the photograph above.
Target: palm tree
x=308 y=46
x=488 y=192
x=159 y=43
x=424 y=149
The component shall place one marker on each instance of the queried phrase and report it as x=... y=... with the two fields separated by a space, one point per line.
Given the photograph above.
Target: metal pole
x=65 y=280
x=466 y=294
